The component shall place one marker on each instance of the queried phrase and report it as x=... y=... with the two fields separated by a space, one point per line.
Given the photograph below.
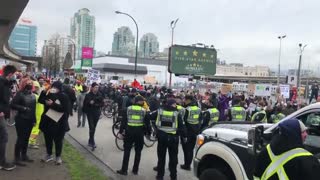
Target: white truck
x=229 y=149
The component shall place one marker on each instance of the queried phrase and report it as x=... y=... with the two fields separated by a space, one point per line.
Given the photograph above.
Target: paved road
x=112 y=157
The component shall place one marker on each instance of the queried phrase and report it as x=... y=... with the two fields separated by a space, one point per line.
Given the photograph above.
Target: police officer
x=211 y=115
x=236 y=112
x=180 y=108
x=169 y=126
x=134 y=124
x=260 y=115
x=278 y=115
x=192 y=121
x=285 y=158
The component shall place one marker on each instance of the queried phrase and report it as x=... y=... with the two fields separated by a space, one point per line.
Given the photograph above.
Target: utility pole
x=278 y=79
x=173 y=26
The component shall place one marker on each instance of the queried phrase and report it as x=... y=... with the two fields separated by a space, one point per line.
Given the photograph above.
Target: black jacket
x=304 y=167
x=71 y=95
x=47 y=124
x=96 y=106
x=5 y=94
x=192 y=130
x=25 y=103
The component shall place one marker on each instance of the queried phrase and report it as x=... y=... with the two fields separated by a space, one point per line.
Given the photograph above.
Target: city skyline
x=83 y=30
x=23 y=38
x=244 y=32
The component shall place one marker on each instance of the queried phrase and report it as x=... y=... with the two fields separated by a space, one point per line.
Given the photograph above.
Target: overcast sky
x=244 y=31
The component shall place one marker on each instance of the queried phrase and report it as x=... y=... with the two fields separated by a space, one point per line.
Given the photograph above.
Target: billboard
x=87 y=53
x=86 y=56
x=188 y=60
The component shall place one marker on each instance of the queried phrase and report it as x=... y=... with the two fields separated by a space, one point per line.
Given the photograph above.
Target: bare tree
x=67 y=63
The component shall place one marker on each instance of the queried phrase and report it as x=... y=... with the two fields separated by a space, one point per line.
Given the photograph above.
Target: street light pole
x=278 y=79
x=299 y=67
x=136 y=57
x=173 y=25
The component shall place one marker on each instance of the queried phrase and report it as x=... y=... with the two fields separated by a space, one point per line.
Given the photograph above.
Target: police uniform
x=260 y=116
x=135 y=123
x=285 y=158
x=277 y=117
x=170 y=125
x=210 y=116
x=192 y=121
x=237 y=113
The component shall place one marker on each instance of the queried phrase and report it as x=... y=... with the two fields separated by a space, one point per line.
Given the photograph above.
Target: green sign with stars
x=86 y=63
x=189 y=60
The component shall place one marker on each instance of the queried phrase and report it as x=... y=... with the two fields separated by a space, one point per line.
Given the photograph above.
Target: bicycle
x=107 y=108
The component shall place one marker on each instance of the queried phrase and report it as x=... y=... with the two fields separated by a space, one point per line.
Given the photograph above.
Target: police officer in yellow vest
x=278 y=115
x=192 y=119
x=211 y=115
x=285 y=158
x=180 y=108
x=134 y=125
x=260 y=115
x=236 y=112
x=170 y=126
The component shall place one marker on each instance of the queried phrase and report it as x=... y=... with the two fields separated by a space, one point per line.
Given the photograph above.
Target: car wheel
x=212 y=173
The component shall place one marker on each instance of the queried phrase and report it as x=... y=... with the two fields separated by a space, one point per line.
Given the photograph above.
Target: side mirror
x=255 y=139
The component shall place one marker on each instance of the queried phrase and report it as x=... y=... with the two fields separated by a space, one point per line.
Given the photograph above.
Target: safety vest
x=278 y=162
x=39 y=109
x=277 y=117
x=181 y=110
x=167 y=121
x=214 y=115
x=136 y=115
x=78 y=88
x=238 y=113
x=264 y=120
x=194 y=114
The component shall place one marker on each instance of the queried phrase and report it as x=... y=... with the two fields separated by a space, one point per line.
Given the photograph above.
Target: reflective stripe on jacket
x=238 y=113
x=278 y=162
x=167 y=121
x=214 y=115
x=194 y=114
x=136 y=115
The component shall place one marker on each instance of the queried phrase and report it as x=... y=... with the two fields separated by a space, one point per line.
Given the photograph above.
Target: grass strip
x=80 y=168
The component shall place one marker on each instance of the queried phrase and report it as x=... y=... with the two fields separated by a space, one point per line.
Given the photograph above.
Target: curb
x=107 y=170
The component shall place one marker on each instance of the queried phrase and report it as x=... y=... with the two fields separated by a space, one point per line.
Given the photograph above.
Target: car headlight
x=200 y=140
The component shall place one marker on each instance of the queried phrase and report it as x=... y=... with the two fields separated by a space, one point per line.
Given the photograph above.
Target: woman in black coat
x=54 y=127
x=25 y=103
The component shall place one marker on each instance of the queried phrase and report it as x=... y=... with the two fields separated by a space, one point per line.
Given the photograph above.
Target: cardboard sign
x=251 y=89
x=285 y=90
x=263 y=90
x=226 y=88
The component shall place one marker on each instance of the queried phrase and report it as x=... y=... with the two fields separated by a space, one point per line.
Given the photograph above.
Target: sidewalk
x=33 y=171
x=108 y=153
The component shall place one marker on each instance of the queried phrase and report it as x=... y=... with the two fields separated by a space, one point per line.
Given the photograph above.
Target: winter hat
x=58 y=85
x=292 y=128
x=138 y=98
x=94 y=84
x=170 y=102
